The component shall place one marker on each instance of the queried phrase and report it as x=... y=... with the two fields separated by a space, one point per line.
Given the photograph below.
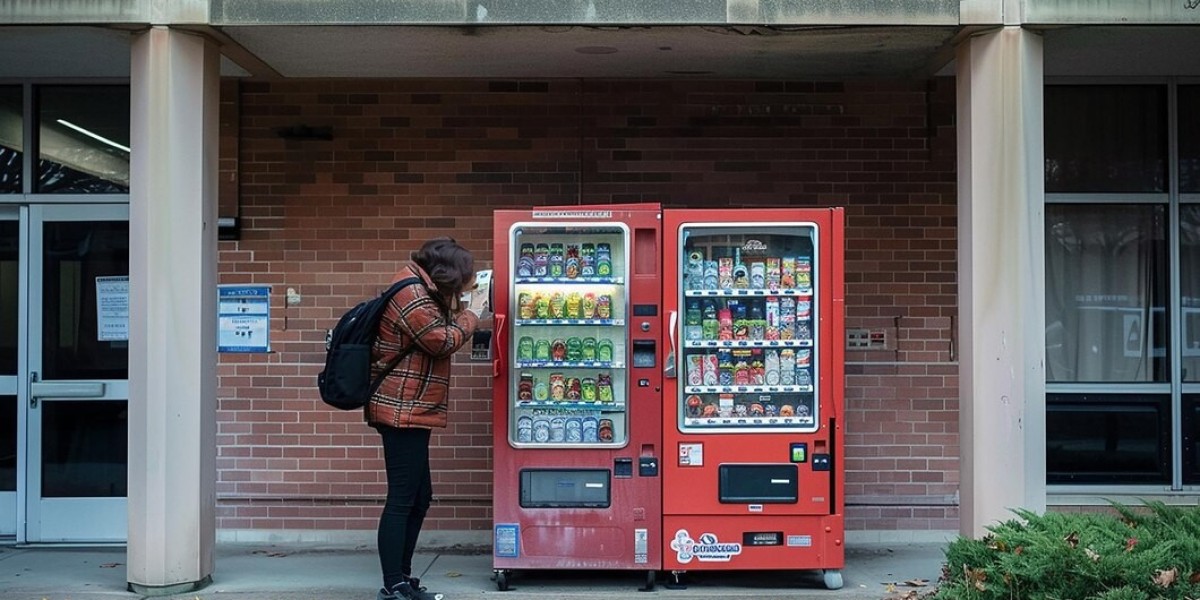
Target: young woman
x=427 y=324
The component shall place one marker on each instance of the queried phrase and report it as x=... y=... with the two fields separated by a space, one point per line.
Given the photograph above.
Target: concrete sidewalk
x=270 y=572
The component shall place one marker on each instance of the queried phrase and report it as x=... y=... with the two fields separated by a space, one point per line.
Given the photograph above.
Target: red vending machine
x=752 y=401
x=577 y=408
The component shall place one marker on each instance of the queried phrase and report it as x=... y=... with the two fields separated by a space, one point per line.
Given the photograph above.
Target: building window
x=1122 y=284
x=83 y=139
x=11 y=138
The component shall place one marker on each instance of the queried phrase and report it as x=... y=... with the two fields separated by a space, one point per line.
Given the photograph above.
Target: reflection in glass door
x=76 y=454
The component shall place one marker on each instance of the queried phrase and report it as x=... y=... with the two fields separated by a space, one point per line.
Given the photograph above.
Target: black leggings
x=409 y=493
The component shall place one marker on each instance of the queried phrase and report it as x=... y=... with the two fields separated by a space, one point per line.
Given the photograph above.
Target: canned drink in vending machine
x=525 y=348
x=695 y=369
x=541 y=430
x=524 y=430
x=589 y=430
x=574 y=430
x=787 y=367
x=771 y=366
x=558 y=430
x=758 y=275
x=724 y=367
x=526 y=305
x=710 y=369
x=604 y=430
x=787 y=318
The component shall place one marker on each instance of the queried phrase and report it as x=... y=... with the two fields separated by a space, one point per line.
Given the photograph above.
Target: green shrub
x=1133 y=555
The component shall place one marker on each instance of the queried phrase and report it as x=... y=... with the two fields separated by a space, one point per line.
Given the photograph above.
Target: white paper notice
x=691 y=455
x=112 y=308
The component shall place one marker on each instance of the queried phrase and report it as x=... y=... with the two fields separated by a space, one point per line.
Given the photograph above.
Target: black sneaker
x=412 y=590
x=384 y=594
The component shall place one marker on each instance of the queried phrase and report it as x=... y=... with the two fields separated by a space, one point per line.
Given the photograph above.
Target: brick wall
x=409 y=160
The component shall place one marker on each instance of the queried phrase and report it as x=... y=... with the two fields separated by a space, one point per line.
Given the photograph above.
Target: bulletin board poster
x=243 y=318
x=112 y=308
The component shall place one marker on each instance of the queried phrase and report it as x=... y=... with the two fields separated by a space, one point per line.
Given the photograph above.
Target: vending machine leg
x=650 y=577
x=500 y=576
x=675 y=583
x=833 y=579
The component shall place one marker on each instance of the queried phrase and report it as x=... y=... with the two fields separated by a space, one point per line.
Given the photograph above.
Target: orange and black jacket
x=414 y=393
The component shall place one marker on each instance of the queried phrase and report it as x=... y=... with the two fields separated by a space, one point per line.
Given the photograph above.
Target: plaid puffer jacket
x=414 y=394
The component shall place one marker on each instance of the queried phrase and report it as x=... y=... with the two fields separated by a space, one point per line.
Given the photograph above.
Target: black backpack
x=346 y=381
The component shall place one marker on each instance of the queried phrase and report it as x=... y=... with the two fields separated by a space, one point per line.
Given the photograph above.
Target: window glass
x=1106 y=138
x=85 y=449
x=11 y=146
x=10 y=290
x=1189 y=287
x=83 y=139
x=1107 y=438
x=1189 y=139
x=1106 y=286
x=8 y=443
x=1191 y=438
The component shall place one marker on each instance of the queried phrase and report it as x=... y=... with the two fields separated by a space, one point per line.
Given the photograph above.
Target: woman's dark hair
x=449 y=265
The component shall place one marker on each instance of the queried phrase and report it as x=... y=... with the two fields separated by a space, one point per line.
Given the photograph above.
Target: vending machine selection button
x=799 y=452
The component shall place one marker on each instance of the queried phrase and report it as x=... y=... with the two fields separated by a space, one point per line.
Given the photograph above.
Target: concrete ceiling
x=710 y=52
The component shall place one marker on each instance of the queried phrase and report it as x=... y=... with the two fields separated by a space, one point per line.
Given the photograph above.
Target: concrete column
x=1001 y=255
x=172 y=311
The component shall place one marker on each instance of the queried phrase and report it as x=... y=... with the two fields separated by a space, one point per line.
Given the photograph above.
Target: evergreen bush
x=1136 y=554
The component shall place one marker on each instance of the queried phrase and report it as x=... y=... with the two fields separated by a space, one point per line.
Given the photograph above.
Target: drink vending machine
x=577 y=408
x=752 y=403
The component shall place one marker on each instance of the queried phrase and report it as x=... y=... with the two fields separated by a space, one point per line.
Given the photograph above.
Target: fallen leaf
x=1092 y=554
x=276 y=554
x=1165 y=578
x=1072 y=539
x=977 y=576
x=917 y=582
x=109 y=565
x=1018 y=550
x=1194 y=578
x=1130 y=543
x=453 y=574
x=890 y=588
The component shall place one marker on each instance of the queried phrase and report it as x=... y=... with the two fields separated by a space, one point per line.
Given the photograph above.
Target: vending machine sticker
x=691 y=455
x=505 y=540
x=706 y=549
x=799 y=541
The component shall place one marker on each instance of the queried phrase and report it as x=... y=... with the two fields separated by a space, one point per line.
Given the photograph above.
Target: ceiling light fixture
x=92 y=135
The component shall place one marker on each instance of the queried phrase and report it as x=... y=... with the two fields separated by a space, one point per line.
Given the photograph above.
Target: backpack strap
x=392 y=364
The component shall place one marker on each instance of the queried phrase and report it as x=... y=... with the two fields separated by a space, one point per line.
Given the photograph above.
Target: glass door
x=75 y=462
x=749 y=334
x=10 y=294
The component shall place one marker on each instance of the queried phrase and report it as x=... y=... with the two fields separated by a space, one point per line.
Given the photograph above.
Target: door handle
x=64 y=389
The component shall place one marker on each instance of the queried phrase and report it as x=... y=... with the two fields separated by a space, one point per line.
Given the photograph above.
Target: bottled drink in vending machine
x=692 y=322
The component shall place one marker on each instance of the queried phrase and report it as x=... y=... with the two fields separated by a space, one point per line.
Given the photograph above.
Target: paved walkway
x=266 y=572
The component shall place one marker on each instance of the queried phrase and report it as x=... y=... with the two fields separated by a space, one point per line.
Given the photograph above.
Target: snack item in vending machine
x=558 y=306
x=771 y=367
x=541 y=260
x=694 y=271
x=541 y=430
x=787 y=318
x=541 y=349
x=724 y=324
x=605 y=430
x=725 y=273
x=787 y=410
x=695 y=369
x=526 y=305
x=587 y=389
x=771 y=332
x=787 y=367
x=756 y=409
x=725 y=367
x=525 y=387
x=740 y=410
x=758 y=275
x=587 y=260
x=574 y=306
x=571 y=264
x=758 y=370
x=589 y=430
x=604 y=306
x=604 y=389
x=587 y=309
x=787 y=273
x=604 y=350
x=773 y=273
x=525 y=261
x=711 y=279
x=525 y=348
x=558 y=430
x=574 y=430
x=710 y=370
x=771 y=410
x=693 y=404
x=802 y=410
x=558 y=387
x=524 y=430
x=604 y=266
x=556 y=260
x=709 y=410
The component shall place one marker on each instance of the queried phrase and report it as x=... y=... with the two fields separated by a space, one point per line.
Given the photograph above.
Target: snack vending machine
x=578 y=377
x=752 y=407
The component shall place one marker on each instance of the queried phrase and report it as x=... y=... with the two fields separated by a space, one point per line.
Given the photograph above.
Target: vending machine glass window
x=748 y=327
x=569 y=342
